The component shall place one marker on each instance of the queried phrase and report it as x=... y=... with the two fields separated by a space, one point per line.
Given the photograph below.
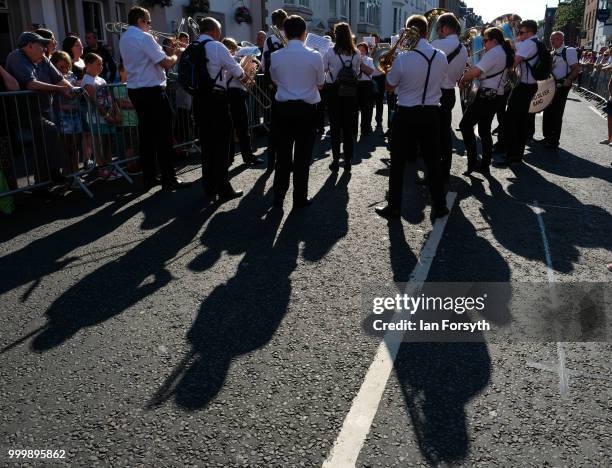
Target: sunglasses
x=522 y=32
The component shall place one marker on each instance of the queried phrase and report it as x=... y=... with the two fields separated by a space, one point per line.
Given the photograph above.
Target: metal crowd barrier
x=593 y=82
x=89 y=138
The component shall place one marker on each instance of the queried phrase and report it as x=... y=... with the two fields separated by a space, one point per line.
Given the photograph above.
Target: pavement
x=153 y=330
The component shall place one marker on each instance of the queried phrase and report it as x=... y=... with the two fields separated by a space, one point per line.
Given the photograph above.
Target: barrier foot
x=123 y=173
x=82 y=186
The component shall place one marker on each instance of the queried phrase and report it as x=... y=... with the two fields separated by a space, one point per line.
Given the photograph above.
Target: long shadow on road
x=243 y=314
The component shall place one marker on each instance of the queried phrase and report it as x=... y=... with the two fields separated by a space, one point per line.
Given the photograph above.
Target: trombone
x=119 y=28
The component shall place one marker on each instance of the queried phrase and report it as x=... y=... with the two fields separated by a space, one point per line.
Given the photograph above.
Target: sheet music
x=244 y=51
x=370 y=41
x=318 y=43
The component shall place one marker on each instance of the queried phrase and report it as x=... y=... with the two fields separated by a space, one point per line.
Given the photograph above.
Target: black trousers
x=272 y=134
x=49 y=153
x=215 y=125
x=379 y=97
x=365 y=101
x=296 y=133
x=154 y=131
x=416 y=128
x=342 y=116
x=321 y=106
x=516 y=120
x=240 y=120
x=553 y=116
x=501 y=114
x=480 y=113
x=447 y=102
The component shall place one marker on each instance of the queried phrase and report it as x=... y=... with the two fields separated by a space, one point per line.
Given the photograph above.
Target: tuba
x=432 y=17
x=279 y=35
x=383 y=58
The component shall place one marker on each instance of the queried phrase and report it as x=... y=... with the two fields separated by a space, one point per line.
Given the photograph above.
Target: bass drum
x=544 y=96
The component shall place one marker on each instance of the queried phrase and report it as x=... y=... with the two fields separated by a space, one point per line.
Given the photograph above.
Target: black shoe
x=484 y=170
x=334 y=165
x=550 y=145
x=387 y=212
x=497 y=148
x=502 y=163
x=253 y=161
x=175 y=184
x=149 y=184
x=439 y=212
x=230 y=194
x=302 y=204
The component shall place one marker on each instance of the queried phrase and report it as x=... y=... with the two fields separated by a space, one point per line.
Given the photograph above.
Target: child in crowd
x=129 y=122
x=69 y=115
x=105 y=115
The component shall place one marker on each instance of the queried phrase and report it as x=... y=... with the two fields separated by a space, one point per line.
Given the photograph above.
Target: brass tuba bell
x=408 y=40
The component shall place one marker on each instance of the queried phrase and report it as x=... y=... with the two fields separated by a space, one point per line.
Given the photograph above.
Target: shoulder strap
x=429 y=62
x=450 y=57
x=494 y=74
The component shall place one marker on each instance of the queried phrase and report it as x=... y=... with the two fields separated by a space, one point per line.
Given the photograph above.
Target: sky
x=526 y=9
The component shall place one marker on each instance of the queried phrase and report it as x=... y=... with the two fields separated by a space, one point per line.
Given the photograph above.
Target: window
x=94 y=19
x=368 y=13
x=344 y=8
x=395 y=19
x=120 y=12
x=305 y=3
x=332 y=8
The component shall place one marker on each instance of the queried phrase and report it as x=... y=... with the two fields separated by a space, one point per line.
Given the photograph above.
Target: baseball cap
x=26 y=37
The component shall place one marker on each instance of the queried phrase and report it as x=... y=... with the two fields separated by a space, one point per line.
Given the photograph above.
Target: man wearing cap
x=33 y=71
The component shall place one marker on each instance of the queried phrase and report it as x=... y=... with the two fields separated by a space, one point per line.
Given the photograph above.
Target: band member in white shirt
x=565 y=70
x=516 y=119
x=448 y=29
x=365 y=91
x=271 y=45
x=211 y=109
x=298 y=74
x=146 y=63
x=492 y=71
x=342 y=65
x=416 y=76
x=237 y=94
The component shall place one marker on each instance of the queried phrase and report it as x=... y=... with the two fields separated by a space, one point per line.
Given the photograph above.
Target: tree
x=569 y=12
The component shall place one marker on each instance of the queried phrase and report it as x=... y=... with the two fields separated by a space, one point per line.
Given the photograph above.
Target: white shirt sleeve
x=319 y=69
x=526 y=49
x=395 y=74
x=152 y=49
x=572 y=56
x=228 y=62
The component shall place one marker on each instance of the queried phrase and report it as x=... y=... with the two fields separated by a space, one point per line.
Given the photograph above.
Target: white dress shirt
x=409 y=73
x=332 y=64
x=526 y=49
x=141 y=56
x=297 y=72
x=368 y=62
x=278 y=44
x=230 y=81
x=221 y=65
x=561 y=68
x=455 y=69
x=492 y=62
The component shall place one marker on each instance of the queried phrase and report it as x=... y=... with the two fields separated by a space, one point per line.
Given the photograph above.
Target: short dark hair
x=278 y=18
x=419 y=22
x=60 y=55
x=135 y=14
x=530 y=25
x=208 y=24
x=294 y=27
x=91 y=58
x=450 y=21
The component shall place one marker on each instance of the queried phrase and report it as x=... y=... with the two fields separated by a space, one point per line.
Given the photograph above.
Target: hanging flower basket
x=243 y=15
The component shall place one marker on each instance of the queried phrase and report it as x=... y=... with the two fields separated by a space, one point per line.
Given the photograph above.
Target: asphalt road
x=154 y=331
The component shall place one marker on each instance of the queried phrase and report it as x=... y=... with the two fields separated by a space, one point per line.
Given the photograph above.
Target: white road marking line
x=358 y=421
x=563 y=375
x=597 y=112
x=555 y=370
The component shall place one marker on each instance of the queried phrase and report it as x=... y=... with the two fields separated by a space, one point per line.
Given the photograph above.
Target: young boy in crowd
x=68 y=114
x=105 y=115
x=128 y=135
